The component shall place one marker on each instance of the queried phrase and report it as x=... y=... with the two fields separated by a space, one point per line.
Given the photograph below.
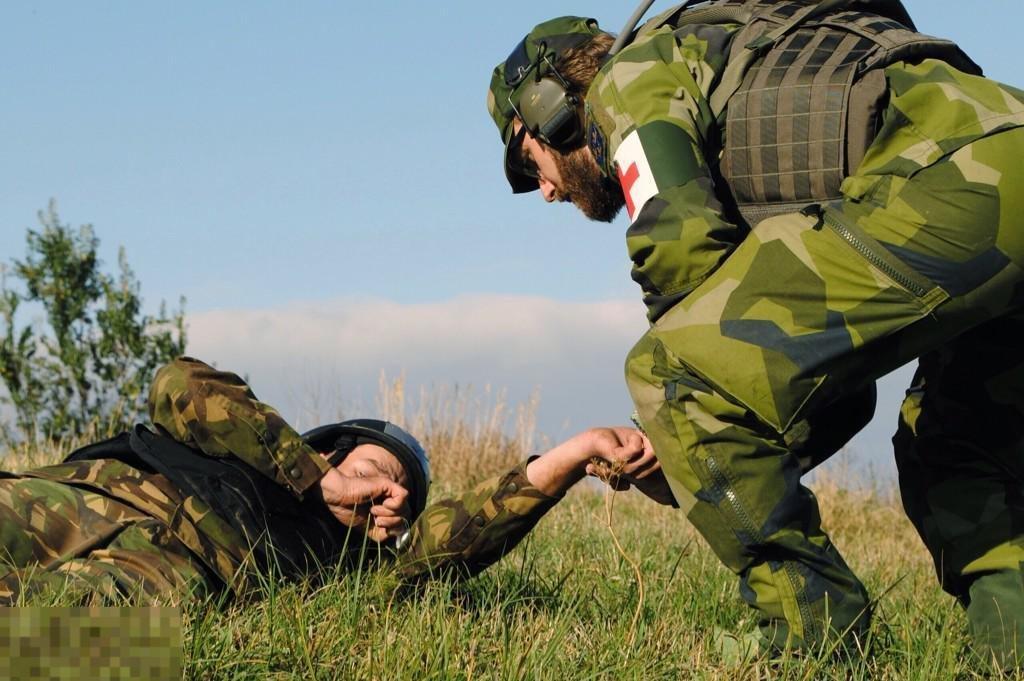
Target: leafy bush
x=87 y=368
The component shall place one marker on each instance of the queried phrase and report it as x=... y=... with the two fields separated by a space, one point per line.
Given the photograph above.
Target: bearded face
x=582 y=182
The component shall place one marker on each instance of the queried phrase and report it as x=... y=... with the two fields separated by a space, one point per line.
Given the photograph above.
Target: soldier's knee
x=646 y=375
x=995 y=616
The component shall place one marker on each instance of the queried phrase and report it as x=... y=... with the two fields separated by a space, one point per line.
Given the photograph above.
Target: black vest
x=286 y=535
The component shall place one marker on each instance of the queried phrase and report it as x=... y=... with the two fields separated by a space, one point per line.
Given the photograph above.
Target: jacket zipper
x=872 y=257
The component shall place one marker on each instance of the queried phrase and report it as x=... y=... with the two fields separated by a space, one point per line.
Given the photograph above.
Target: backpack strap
x=741 y=60
x=284 y=533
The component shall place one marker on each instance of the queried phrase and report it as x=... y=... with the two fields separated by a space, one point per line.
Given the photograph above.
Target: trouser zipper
x=722 y=488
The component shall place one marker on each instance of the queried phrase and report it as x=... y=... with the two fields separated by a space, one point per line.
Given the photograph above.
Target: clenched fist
x=355 y=500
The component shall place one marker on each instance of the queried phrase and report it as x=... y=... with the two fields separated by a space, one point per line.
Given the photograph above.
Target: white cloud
x=571 y=352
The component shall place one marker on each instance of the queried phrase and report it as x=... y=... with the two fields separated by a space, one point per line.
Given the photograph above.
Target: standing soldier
x=817 y=195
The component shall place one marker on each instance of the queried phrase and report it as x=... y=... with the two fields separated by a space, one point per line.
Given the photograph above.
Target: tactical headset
x=547 y=106
x=544 y=101
x=541 y=98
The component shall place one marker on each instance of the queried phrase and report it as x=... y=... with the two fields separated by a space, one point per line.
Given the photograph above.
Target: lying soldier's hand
x=622 y=449
x=625 y=458
x=354 y=500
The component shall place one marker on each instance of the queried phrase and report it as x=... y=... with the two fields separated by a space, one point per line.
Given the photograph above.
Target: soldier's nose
x=548 y=190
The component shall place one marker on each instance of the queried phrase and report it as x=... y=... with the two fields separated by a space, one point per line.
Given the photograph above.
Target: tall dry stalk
x=470 y=434
x=609 y=475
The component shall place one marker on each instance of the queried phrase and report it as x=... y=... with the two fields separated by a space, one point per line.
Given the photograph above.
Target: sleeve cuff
x=515 y=495
x=301 y=467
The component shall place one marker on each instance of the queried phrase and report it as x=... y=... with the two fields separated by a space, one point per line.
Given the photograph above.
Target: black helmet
x=399 y=442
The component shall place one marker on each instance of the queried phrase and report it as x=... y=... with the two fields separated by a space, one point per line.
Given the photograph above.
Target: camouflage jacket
x=650 y=120
x=216 y=412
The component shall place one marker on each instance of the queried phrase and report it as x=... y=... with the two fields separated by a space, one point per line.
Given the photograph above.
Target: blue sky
x=337 y=158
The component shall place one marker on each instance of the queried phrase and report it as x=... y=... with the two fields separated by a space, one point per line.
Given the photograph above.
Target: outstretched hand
x=355 y=500
x=621 y=453
x=621 y=456
x=624 y=458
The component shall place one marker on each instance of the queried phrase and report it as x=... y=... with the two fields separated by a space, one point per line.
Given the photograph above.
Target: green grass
x=562 y=605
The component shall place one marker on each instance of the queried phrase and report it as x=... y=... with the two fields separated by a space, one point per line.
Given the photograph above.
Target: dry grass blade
x=609 y=474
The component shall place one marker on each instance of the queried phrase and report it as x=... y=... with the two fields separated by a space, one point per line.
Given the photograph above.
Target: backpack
x=284 y=534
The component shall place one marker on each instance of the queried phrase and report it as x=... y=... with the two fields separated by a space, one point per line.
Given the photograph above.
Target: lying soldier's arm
x=216 y=412
x=463 y=535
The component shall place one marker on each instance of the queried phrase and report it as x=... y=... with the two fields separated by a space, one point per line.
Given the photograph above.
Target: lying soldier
x=222 y=492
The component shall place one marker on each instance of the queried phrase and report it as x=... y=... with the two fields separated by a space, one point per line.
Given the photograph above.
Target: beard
x=596 y=195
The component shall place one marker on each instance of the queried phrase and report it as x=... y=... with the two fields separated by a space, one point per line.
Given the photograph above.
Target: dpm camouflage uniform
x=760 y=336
x=103 y=528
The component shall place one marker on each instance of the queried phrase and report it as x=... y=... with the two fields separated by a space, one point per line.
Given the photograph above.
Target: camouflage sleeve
x=216 y=412
x=651 y=104
x=912 y=137
x=463 y=535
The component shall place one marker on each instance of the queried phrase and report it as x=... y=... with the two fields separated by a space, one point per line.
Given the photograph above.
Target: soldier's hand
x=625 y=451
x=390 y=518
x=354 y=500
x=625 y=458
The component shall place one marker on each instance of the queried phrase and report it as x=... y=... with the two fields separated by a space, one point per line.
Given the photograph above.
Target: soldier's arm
x=217 y=412
x=465 y=534
x=651 y=102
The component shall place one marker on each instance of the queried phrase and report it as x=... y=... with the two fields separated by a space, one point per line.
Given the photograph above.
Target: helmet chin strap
x=343 y=446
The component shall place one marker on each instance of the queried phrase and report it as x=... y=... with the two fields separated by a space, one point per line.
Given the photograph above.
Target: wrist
x=581 y=448
x=560 y=468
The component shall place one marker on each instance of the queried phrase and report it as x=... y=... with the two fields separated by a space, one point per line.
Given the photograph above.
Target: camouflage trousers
x=732 y=383
x=81 y=546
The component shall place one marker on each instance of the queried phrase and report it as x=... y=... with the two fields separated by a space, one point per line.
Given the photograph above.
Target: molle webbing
x=786 y=125
x=803 y=93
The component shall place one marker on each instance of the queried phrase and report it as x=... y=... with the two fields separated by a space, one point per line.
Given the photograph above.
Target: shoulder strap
x=740 y=61
x=117 y=447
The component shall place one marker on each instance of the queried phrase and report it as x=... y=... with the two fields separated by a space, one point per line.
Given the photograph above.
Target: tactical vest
x=803 y=91
x=285 y=535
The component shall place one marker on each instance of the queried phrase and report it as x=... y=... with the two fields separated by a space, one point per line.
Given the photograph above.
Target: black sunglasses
x=515 y=158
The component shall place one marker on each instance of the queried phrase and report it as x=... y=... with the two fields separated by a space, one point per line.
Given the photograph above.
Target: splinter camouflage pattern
x=756 y=336
x=102 y=528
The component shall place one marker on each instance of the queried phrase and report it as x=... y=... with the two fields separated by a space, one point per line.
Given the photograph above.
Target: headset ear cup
x=532 y=115
x=574 y=132
x=550 y=113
